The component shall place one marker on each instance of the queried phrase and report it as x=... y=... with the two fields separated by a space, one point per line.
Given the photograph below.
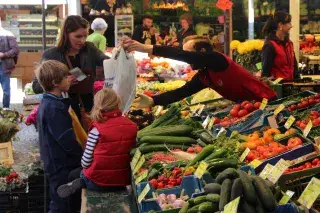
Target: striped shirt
x=87 y=156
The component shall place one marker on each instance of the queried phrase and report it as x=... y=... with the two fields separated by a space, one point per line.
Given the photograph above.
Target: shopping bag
x=110 y=67
x=81 y=135
x=125 y=79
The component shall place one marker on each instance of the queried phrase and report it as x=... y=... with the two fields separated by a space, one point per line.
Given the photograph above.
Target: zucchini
x=225 y=193
x=246 y=207
x=194 y=209
x=206 y=207
x=206 y=151
x=214 y=198
x=200 y=199
x=229 y=173
x=237 y=189
x=216 y=154
x=221 y=165
x=176 y=130
x=248 y=189
x=161 y=147
x=206 y=137
x=264 y=194
x=191 y=202
x=167 y=140
x=184 y=208
x=213 y=188
x=259 y=207
x=171 y=121
x=201 y=143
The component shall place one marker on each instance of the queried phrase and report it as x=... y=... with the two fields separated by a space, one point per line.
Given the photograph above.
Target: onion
x=178 y=203
x=171 y=198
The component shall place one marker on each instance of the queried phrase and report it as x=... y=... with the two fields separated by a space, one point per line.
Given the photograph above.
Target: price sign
x=139 y=164
x=196 y=109
x=277 y=81
x=206 y=122
x=135 y=159
x=264 y=103
x=201 y=169
x=232 y=207
x=278 y=170
x=289 y=122
x=244 y=155
x=286 y=197
x=306 y=130
x=159 y=109
x=266 y=171
x=142 y=176
x=201 y=108
x=144 y=193
x=279 y=109
x=259 y=66
x=211 y=123
x=255 y=163
x=310 y=194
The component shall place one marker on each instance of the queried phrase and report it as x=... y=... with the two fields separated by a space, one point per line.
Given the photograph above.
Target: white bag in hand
x=124 y=83
x=110 y=68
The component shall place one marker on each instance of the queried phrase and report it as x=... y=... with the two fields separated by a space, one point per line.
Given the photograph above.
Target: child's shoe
x=68 y=189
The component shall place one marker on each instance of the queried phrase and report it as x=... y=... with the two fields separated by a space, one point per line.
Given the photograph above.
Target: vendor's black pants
x=81 y=100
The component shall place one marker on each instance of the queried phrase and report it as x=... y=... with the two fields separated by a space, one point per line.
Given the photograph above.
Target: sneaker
x=68 y=189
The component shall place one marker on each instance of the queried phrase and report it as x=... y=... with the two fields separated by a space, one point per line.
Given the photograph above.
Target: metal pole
x=227 y=31
x=251 y=19
x=44 y=41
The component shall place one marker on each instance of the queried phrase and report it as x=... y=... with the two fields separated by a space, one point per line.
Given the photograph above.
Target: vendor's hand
x=131 y=45
x=72 y=79
x=143 y=101
x=153 y=31
x=1 y=55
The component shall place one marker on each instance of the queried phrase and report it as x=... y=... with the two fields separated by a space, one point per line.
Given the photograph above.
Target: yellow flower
x=241 y=49
x=234 y=44
x=260 y=45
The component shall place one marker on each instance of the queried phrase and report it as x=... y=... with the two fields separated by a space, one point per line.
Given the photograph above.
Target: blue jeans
x=90 y=184
x=5 y=84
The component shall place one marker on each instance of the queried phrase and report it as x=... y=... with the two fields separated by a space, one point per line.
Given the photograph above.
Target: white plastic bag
x=120 y=74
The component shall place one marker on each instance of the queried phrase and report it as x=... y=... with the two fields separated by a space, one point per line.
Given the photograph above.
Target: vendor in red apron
x=216 y=71
x=278 y=58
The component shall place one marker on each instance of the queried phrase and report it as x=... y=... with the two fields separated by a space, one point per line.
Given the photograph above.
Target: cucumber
x=271 y=186
x=194 y=209
x=206 y=137
x=213 y=188
x=176 y=130
x=248 y=189
x=216 y=154
x=214 y=198
x=206 y=207
x=225 y=193
x=167 y=140
x=200 y=199
x=191 y=202
x=229 y=173
x=221 y=165
x=237 y=189
x=184 y=208
x=201 y=143
x=264 y=194
x=206 y=151
x=259 y=207
x=246 y=207
x=161 y=147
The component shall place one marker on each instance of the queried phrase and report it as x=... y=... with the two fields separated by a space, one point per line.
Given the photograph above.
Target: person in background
x=187 y=29
x=9 y=52
x=145 y=33
x=73 y=51
x=278 y=58
x=59 y=149
x=106 y=160
x=99 y=26
x=216 y=71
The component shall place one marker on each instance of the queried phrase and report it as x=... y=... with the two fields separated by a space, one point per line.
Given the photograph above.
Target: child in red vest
x=106 y=160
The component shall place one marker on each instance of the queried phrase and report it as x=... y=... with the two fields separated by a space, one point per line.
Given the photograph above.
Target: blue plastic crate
x=303 y=94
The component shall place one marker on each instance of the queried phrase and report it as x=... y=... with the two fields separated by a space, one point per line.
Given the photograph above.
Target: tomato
x=298 y=123
x=250 y=157
x=154 y=183
x=242 y=113
x=302 y=125
x=262 y=149
x=314 y=113
x=301 y=168
x=273 y=145
x=268 y=154
x=280 y=149
x=198 y=149
x=225 y=123
x=294 y=142
x=234 y=113
x=237 y=107
x=244 y=103
x=257 y=105
x=249 y=107
x=318 y=164
x=161 y=178
x=161 y=185
x=315 y=161
x=190 y=150
x=179 y=180
x=316 y=122
x=216 y=120
x=308 y=165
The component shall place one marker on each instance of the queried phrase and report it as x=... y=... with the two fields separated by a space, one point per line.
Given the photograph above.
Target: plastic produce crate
x=14 y=202
x=303 y=94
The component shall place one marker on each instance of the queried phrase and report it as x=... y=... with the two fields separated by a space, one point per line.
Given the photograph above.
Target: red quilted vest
x=237 y=84
x=111 y=159
x=283 y=66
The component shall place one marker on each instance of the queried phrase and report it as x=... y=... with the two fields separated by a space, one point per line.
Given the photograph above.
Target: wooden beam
x=295 y=31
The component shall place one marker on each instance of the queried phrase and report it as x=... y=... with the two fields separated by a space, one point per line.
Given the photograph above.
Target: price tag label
x=196 y=109
x=244 y=155
x=159 y=109
x=139 y=164
x=289 y=122
x=264 y=103
x=278 y=170
x=232 y=207
x=310 y=194
x=201 y=108
x=201 y=169
x=255 y=163
x=306 y=130
x=259 y=66
x=206 y=122
x=279 y=109
x=277 y=81
x=211 y=123
x=142 y=176
x=286 y=197
x=144 y=193
x=135 y=159
x=266 y=171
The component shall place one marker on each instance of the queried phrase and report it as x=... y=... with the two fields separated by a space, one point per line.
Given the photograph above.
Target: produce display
x=9 y=179
x=305 y=102
x=308 y=165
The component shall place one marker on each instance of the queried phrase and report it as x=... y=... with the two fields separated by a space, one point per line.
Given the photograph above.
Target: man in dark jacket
x=144 y=33
x=59 y=149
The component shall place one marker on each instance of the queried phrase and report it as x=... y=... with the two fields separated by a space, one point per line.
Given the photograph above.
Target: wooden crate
x=6 y=153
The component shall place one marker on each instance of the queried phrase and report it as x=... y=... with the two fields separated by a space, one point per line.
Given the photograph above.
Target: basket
x=14 y=202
